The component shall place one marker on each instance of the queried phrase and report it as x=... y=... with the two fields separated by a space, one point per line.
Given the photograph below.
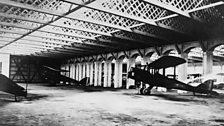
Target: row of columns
x=95 y=70
x=207 y=64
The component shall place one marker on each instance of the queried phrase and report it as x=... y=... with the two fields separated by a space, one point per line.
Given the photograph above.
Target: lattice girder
x=83 y=26
x=121 y=42
x=25 y=43
x=106 y=18
x=134 y=37
x=165 y=35
x=16 y=22
x=64 y=38
x=68 y=32
x=210 y=13
x=16 y=9
x=13 y=30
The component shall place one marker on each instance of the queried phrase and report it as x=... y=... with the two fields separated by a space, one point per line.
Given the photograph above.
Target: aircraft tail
x=206 y=87
x=84 y=81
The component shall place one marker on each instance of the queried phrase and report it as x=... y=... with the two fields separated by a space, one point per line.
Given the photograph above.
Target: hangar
x=102 y=39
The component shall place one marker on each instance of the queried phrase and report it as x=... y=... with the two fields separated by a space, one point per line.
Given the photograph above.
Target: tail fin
x=84 y=81
x=207 y=85
x=206 y=88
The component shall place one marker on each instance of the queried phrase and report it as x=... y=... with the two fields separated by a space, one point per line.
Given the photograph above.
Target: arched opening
x=154 y=56
x=195 y=68
x=218 y=59
x=218 y=62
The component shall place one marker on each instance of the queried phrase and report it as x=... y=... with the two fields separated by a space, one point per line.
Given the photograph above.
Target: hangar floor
x=70 y=106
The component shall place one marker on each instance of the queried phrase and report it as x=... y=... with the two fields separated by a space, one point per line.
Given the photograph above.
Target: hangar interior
x=93 y=38
x=103 y=39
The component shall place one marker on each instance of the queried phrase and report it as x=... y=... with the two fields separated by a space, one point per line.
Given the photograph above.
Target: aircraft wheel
x=146 y=91
x=141 y=91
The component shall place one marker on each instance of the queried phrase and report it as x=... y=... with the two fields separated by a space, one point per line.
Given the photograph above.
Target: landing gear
x=141 y=90
x=146 y=90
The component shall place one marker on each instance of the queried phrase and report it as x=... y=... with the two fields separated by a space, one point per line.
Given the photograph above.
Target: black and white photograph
x=111 y=63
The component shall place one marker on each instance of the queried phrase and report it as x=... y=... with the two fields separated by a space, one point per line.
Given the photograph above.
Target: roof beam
x=101 y=44
x=60 y=52
x=149 y=22
x=16 y=4
x=31 y=7
x=39 y=36
x=55 y=24
x=194 y=10
x=76 y=48
x=79 y=36
x=21 y=26
x=71 y=50
x=207 y=6
x=38 y=41
x=92 y=21
x=167 y=7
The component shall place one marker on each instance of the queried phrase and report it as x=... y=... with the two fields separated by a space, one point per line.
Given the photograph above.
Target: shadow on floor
x=84 y=88
x=9 y=98
x=35 y=97
x=176 y=97
x=6 y=99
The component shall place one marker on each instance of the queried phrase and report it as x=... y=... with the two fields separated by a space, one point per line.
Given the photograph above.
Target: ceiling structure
x=66 y=28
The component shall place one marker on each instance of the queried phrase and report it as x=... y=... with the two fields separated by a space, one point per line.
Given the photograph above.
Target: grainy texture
x=72 y=106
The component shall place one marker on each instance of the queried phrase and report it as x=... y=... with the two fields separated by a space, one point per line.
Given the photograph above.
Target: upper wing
x=166 y=61
x=56 y=70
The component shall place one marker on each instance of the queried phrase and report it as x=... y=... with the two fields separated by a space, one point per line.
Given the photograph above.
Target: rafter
x=167 y=7
x=72 y=50
x=59 y=52
x=55 y=24
x=21 y=26
x=79 y=48
x=53 y=20
x=40 y=36
x=207 y=6
x=149 y=22
x=38 y=41
x=81 y=36
x=193 y=10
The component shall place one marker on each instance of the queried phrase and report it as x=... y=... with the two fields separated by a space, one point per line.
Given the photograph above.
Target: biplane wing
x=53 y=76
x=155 y=79
x=166 y=61
x=8 y=86
x=55 y=70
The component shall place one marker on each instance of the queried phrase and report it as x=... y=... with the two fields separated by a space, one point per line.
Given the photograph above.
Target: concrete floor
x=71 y=106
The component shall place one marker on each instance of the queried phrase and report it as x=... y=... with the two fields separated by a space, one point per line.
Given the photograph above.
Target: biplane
x=149 y=75
x=53 y=76
x=8 y=86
